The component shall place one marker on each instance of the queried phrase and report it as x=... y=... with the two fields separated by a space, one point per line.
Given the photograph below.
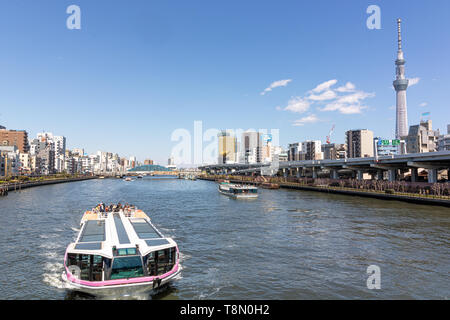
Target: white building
x=58 y=146
x=444 y=141
x=11 y=156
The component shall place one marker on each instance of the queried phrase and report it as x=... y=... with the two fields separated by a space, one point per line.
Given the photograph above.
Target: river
x=286 y=244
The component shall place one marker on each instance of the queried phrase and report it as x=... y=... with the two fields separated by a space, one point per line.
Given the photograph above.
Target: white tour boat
x=119 y=253
x=238 y=191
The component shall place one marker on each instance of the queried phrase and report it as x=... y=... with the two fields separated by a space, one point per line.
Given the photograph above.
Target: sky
x=138 y=70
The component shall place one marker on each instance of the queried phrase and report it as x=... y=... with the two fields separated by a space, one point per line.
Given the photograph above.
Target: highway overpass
x=387 y=167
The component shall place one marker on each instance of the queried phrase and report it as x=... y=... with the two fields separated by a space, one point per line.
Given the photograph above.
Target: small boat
x=101 y=177
x=119 y=253
x=128 y=179
x=238 y=191
x=140 y=177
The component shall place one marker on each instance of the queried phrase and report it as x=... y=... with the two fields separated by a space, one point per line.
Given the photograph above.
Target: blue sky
x=138 y=70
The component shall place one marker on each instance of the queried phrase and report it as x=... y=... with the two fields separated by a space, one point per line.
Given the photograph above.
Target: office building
x=251 y=147
x=16 y=138
x=444 y=141
x=334 y=151
x=422 y=138
x=359 y=143
x=227 y=152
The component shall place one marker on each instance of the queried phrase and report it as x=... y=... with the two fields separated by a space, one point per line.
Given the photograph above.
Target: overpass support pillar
x=432 y=175
x=392 y=174
x=314 y=173
x=334 y=174
x=359 y=175
x=414 y=175
x=285 y=173
x=298 y=173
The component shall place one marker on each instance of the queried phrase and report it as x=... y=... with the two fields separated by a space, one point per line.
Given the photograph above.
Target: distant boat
x=238 y=191
x=101 y=177
x=140 y=176
x=128 y=179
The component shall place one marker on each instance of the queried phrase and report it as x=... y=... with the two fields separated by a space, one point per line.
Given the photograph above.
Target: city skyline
x=124 y=87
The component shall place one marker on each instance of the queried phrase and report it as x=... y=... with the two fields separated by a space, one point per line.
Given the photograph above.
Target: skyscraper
x=400 y=85
x=227 y=148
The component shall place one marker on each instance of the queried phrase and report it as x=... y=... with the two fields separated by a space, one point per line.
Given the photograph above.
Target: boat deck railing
x=95 y=214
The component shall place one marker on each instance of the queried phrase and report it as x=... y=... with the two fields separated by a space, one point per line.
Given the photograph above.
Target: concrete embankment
x=25 y=185
x=370 y=194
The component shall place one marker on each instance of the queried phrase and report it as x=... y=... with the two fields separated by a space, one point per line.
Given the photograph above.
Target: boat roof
x=101 y=232
x=239 y=186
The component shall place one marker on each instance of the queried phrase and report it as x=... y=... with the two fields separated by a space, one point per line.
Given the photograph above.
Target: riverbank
x=397 y=196
x=16 y=186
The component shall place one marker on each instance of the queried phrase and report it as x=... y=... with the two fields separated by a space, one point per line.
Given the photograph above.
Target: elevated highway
x=390 y=168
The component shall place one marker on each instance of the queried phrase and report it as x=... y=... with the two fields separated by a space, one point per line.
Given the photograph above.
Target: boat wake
x=52 y=276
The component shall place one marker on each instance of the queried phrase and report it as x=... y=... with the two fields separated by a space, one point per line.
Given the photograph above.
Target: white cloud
x=276 y=84
x=349 y=87
x=423 y=104
x=353 y=109
x=345 y=99
x=324 y=86
x=413 y=81
x=354 y=97
x=327 y=95
x=297 y=105
x=308 y=119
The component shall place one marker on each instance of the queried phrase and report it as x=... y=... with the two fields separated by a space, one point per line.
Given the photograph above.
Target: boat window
x=161 y=261
x=91 y=266
x=97 y=268
x=127 y=267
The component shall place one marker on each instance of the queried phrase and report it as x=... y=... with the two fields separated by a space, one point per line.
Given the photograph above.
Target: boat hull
x=120 y=290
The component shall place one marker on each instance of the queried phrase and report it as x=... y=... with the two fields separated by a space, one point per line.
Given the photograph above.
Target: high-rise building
x=422 y=138
x=444 y=141
x=333 y=151
x=359 y=143
x=148 y=162
x=57 y=144
x=251 y=147
x=295 y=151
x=19 y=139
x=227 y=148
x=400 y=86
x=312 y=150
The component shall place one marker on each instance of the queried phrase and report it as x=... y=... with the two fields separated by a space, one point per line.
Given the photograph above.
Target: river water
x=286 y=244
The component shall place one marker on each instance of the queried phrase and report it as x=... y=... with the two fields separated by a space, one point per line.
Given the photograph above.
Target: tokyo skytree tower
x=400 y=85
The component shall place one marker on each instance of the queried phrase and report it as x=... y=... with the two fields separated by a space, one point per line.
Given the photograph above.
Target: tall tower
x=400 y=85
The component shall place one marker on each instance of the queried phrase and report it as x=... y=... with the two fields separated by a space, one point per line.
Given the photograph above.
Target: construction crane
x=329 y=134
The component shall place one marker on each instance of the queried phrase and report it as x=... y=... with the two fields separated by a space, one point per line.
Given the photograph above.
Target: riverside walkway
x=16 y=186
